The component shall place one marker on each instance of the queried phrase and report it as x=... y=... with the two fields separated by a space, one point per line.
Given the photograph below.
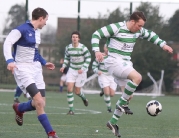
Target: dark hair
x=39 y=12
x=137 y=15
x=77 y=33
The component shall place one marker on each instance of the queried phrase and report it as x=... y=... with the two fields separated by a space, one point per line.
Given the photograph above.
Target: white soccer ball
x=154 y=108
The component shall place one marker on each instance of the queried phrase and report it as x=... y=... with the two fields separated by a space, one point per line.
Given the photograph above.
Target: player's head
x=41 y=16
x=75 y=37
x=105 y=49
x=137 y=20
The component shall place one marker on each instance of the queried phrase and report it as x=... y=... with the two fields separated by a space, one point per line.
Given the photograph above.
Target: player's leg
x=36 y=89
x=61 y=85
x=17 y=94
x=121 y=69
x=122 y=83
x=70 y=79
x=134 y=80
x=81 y=95
x=107 y=98
x=70 y=97
x=112 y=87
x=80 y=81
x=62 y=81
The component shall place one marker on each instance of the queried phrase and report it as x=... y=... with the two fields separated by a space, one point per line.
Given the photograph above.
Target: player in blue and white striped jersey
x=27 y=69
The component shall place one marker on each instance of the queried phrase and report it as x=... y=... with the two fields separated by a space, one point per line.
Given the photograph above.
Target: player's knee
x=137 y=79
x=77 y=91
x=39 y=103
x=111 y=93
x=70 y=89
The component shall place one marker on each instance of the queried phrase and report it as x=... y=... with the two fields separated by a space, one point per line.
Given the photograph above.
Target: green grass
x=85 y=123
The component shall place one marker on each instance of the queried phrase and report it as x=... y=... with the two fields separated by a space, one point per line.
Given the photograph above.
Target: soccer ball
x=154 y=108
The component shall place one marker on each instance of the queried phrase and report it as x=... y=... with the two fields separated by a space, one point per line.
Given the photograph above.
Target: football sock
x=82 y=95
x=70 y=99
x=18 y=92
x=27 y=106
x=117 y=114
x=107 y=100
x=128 y=91
x=45 y=123
x=61 y=88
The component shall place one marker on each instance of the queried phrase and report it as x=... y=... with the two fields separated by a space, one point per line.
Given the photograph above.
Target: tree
x=16 y=16
x=148 y=57
x=174 y=27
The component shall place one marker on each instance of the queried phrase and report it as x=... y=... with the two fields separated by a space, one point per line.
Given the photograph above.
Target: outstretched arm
x=168 y=49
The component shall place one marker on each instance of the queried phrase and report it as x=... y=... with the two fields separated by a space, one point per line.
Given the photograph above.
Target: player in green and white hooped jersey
x=79 y=57
x=105 y=80
x=122 y=37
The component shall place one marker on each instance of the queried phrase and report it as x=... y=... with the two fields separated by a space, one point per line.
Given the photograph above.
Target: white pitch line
x=85 y=111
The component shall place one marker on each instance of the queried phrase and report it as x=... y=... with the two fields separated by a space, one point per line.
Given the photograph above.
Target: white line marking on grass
x=81 y=111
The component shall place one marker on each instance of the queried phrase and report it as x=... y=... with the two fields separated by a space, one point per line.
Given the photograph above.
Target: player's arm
x=66 y=60
x=87 y=57
x=48 y=65
x=154 y=38
x=95 y=66
x=42 y=60
x=104 y=32
x=12 y=38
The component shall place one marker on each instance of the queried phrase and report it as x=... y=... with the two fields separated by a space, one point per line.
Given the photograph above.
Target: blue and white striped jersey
x=25 y=41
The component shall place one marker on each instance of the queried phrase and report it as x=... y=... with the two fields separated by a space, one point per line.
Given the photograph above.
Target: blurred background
x=86 y=16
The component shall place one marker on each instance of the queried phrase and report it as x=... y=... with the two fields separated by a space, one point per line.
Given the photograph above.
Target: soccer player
x=122 y=38
x=79 y=57
x=63 y=77
x=27 y=69
x=105 y=80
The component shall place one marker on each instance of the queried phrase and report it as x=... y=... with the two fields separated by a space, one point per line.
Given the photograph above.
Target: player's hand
x=99 y=72
x=62 y=69
x=11 y=66
x=168 y=49
x=80 y=71
x=50 y=66
x=99 y=56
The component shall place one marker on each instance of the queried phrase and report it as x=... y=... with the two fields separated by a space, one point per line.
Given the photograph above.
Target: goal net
x=92 y=87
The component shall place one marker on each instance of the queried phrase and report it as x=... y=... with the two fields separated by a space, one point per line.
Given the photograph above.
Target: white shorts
x=107 y=81
x=78 y=79
x=63 y=77
x=28 y=73
x=118 y=67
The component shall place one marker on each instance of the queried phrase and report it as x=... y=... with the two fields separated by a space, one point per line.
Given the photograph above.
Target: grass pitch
x=87 y=120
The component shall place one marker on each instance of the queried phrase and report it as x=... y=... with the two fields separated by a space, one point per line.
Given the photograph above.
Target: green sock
x=114 y=119
x=70 y=99
x=82 y=95
x=117 y=114
x=107 y=100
